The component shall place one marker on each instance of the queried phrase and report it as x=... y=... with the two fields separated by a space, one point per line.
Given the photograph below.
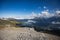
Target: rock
x=25 y=34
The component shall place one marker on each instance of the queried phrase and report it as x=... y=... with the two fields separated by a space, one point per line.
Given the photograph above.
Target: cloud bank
x=43 y=14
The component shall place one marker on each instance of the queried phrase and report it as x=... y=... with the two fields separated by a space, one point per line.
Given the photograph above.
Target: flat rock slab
x=25 y=34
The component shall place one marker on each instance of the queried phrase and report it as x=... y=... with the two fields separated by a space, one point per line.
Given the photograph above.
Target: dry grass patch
x=1 y=27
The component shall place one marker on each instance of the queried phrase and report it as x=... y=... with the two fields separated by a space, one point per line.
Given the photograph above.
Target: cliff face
x=12 y=33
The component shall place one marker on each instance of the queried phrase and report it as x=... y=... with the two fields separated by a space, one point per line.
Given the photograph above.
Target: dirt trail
x=25 y=34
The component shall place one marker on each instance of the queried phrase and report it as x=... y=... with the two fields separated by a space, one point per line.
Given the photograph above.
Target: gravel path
x=25 y=34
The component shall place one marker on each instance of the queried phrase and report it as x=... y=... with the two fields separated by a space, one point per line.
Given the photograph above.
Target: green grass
x=3 y=23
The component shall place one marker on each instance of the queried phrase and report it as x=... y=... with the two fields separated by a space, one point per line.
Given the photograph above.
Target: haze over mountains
x=43 y=17
x=43 y=20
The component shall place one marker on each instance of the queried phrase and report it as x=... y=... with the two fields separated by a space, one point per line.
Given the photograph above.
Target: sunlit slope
x=7 y=23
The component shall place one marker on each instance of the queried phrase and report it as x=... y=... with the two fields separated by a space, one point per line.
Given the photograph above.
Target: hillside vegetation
x=7 y=23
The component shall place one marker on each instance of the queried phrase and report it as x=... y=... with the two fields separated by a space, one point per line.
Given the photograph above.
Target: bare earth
x=25 y=34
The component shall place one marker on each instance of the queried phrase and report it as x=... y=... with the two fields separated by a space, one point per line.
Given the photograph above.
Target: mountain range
x=44 y=21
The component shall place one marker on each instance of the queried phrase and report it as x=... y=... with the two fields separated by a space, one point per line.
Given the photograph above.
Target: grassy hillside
x=7 y=23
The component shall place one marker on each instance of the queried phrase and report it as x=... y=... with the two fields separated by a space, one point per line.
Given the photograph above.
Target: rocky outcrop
x=25 y=34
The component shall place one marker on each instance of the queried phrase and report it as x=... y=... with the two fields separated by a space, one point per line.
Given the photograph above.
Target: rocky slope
x=11 y=33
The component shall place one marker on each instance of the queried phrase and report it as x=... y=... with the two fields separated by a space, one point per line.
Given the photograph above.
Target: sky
x=24 y=8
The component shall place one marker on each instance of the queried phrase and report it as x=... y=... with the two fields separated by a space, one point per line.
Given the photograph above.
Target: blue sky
x=19 y=8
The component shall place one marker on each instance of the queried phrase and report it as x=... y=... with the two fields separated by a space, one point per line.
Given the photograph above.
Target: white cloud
x=34 y=14
x=31 y=21
x=44 y=14
x=55 y=22
x=44 y=7
x=57 y=13
x=27 y=16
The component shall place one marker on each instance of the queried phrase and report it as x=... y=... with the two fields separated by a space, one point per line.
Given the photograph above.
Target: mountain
x=46 y=22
